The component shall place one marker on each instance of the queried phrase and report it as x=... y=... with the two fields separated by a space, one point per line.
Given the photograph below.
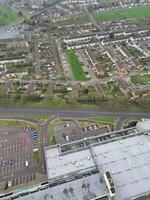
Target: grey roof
x=127 y=160
x=10 y=35
x=77 y=189
x=59 y=166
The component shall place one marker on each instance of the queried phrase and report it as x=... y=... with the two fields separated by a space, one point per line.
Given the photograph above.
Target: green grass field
x=141 y=79
x=76 y=66
x=39 y=117
x=8 y=16
x=79 y=20
x=130 y=13
x=105 y=119
x=15 y=122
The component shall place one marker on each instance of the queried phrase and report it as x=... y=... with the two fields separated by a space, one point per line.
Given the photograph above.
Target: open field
x=79 y=20
x=8 y=16
x=76 y=66
x=141 y=79
x=130 y=13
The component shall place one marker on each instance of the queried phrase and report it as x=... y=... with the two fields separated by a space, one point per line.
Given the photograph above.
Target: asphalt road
x=77 y=113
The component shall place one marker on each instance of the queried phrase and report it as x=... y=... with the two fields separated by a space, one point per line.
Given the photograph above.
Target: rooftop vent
x=77 y=165
x=125 y=150
x=73 y=162
x=133 y=165
x=88 y=158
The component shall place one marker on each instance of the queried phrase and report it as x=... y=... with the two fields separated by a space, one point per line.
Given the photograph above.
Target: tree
x=54 y=140
x=20 y=13
x=6 y=16
x=111 y=36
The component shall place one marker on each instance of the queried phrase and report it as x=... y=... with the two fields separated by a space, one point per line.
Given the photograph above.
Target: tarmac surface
x=78 y=113
x=17 y=165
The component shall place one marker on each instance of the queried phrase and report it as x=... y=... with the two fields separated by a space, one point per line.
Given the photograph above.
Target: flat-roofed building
x=113 y=167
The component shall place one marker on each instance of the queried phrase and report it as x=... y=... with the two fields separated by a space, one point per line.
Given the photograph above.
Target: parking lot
x=17 y=164
x=72 y=131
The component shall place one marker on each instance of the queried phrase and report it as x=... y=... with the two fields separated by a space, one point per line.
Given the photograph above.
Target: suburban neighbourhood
x=74 y=99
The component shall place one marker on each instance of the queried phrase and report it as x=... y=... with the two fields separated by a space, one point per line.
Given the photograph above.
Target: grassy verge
x=141 y=79
x=51 y=135
x=8 y=15
x=36 y=156
x=9 y=122
x=76 y=66
x=105 y=119
x=142 y=105
x=51 y=131
x=40 y=116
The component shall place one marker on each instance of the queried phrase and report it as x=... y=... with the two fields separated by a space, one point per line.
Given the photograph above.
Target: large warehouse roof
x=126 y=159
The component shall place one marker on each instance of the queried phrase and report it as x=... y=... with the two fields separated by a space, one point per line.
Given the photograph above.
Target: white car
x=27 y=163
x=9 y=183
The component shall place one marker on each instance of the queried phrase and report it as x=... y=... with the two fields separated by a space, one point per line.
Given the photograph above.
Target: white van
x=9 y=183
x=27 y=163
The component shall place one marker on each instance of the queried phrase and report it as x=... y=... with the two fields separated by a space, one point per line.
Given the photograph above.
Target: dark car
x=6 y=185
x=11 y=162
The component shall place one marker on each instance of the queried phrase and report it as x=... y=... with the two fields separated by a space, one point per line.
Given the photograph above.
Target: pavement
x=44 y=141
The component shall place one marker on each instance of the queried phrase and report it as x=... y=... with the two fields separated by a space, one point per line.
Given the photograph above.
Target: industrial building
x=109 y=166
